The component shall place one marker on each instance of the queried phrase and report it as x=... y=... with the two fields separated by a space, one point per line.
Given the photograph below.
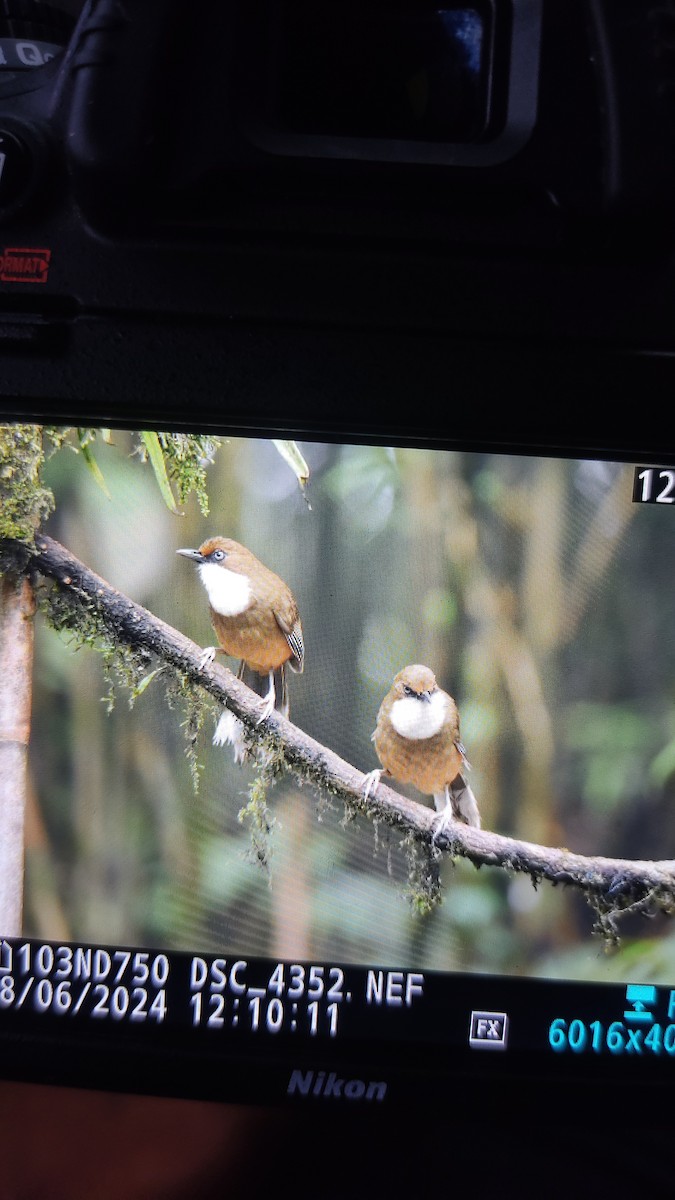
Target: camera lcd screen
x=516 y=611
x=536 y=590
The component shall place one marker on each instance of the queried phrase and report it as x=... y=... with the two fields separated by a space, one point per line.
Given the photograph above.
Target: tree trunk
x=17 y=607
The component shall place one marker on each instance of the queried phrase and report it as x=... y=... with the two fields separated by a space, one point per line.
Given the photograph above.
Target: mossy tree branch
x=613 y=887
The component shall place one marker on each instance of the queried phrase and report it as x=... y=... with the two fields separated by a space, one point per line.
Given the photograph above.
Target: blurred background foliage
x=539 y=594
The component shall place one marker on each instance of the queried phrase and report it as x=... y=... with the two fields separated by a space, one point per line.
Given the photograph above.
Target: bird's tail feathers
x=462 y=800
x=283 y=703
x=260 y=685
x=230 y=730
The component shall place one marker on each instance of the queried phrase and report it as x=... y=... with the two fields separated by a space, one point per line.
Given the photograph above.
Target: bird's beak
x=193 y=554
x=426 y=696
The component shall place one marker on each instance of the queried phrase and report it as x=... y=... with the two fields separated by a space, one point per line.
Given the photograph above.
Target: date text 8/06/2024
x=136 y=986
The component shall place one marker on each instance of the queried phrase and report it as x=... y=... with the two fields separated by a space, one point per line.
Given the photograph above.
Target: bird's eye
x=218 y=555
x=408 y=690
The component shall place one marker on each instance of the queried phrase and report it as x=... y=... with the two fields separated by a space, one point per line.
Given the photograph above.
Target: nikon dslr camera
x=413 y=252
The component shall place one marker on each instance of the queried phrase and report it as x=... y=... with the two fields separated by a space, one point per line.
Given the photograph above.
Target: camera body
x=157 y=169
x=402 y=225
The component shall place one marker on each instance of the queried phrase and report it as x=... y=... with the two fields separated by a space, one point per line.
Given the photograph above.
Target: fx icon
x=488 y=1031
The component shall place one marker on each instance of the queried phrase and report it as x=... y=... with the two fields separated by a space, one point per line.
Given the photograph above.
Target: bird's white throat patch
x=418 y=719
x=229 y=593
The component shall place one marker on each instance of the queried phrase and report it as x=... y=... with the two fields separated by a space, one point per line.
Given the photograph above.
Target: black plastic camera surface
x=521 y=115
x=500 y=172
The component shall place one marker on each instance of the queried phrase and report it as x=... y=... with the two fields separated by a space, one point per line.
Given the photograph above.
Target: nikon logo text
x=320 y=1083
x=21 y=265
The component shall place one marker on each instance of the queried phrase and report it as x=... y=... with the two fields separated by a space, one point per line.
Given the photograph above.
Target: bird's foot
x=444 y=819
x=370 y=782
x=270 y=701
x=206 y=657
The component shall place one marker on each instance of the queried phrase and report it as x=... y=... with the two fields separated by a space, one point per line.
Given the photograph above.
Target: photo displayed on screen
x=504 y=621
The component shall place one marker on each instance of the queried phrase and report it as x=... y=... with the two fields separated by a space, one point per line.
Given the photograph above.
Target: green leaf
x=156 y=455
x=91 y=462
x=291 y=455
x=140 y=687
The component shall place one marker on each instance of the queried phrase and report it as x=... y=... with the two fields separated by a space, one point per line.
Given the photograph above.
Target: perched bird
x=417 y=741
x=255 y=618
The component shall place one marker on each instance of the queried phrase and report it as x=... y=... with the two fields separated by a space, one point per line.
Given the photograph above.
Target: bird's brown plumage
x=268 y=633
x=430 y=759
x=255 y=618
x=428 y=763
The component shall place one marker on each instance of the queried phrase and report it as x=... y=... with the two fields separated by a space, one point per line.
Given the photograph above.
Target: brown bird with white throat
x=417 y=741
x=255 y=618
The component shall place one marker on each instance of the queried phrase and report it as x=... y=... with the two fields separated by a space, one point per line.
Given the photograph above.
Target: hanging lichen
x=424 y=881
x=257 y=816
